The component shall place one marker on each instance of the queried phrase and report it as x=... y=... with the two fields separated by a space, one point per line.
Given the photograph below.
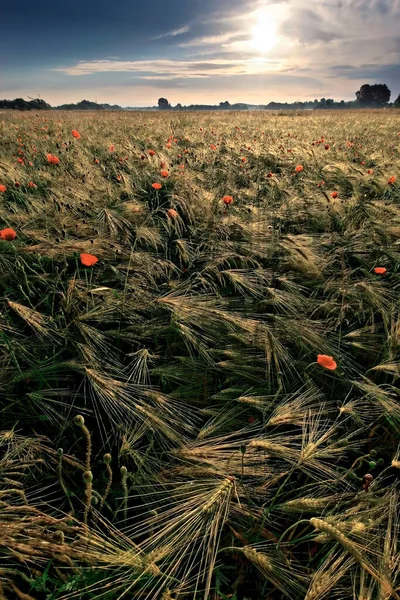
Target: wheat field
x=200 y=354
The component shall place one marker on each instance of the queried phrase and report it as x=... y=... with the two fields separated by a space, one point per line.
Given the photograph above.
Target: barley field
x=200 y=355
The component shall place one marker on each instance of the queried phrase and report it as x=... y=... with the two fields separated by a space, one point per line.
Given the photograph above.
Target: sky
x=132 y=52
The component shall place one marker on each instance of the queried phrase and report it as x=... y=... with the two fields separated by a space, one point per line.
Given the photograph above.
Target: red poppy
x=299 y=169
x=163 y=164
x=3 y=188
x=151 y=153
x=213 y=147
x=30 y=164
x=334 y=194
x=111 y=148
x=164 y=173
x=76 y=134
x=326 y=361
x=32 y=185
x=370 y=171
x=8 y=234
x=270 y=174
x=169 y=145
x=17 y=184
x=244 y=159
x=88 y=260
x=327 y=146
x=392 y=179
x=172 y=213
x=20 y=160
x=119 y=177
x=54 y=160
x=156 y=186
x=380 y=270
x=227 y=200
x=96 y=160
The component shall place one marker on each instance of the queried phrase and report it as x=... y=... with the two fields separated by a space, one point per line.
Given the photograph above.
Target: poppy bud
x=88 y=477
x=79 y=421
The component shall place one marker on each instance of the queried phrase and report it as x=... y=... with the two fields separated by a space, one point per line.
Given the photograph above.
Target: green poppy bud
x=88 y=477
x=79 y=420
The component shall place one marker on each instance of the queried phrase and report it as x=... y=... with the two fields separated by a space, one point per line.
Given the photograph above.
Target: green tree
x=373 y=95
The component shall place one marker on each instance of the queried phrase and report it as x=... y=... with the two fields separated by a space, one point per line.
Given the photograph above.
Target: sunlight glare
x=264 y=33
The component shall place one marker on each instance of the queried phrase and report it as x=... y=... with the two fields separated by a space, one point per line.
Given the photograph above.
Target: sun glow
x=264 y=33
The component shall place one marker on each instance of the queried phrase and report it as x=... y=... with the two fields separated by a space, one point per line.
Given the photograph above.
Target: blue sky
x=198 y=51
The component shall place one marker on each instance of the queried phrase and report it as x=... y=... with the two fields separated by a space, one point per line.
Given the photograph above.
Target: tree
x=163 y=104
x=373 y=95
x=224 y=104
x=397 y=101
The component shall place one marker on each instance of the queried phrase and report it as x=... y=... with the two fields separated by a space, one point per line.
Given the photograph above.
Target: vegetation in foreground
x=199 y=337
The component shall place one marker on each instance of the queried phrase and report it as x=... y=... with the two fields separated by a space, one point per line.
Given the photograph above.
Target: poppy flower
x=172 y=213
x=380 y=270
x=213 y=147
x=163 y=164
x=32 y=185
x=119 y=177
x=370 y=171
x=20 y=160
x=227 y=200
x=270 y=174
x=111 y=148
x=326 y=361
x=17 y=184
x=156 y=186
x=76 y=134
x=169 y=145
x=88 y=260
x=96 y=160
x=8 y=234
x=164 y=173
x=334 y=194
x=151 y=153
x=30 y=164
x=299 y=169
x=327 y=146
x=244 y=159
x=3 y=188
x=54 y=160
x=392 y=179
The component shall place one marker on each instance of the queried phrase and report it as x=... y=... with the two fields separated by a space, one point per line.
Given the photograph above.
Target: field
x=200 y=356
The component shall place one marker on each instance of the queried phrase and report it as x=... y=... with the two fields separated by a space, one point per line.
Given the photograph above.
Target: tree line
x=368 y=96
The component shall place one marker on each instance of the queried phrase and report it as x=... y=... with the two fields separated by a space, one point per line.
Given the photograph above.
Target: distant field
x=200 y=355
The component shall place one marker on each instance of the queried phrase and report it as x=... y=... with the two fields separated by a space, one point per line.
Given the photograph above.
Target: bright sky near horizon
x=198 y=51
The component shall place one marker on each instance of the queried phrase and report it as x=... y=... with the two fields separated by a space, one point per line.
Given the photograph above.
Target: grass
x=167 y=432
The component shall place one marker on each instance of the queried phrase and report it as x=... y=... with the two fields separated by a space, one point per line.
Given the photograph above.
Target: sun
x=264 y=33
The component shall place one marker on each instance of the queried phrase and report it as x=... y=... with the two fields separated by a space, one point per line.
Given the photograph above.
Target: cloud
x=173 y=33
x=165 y=68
